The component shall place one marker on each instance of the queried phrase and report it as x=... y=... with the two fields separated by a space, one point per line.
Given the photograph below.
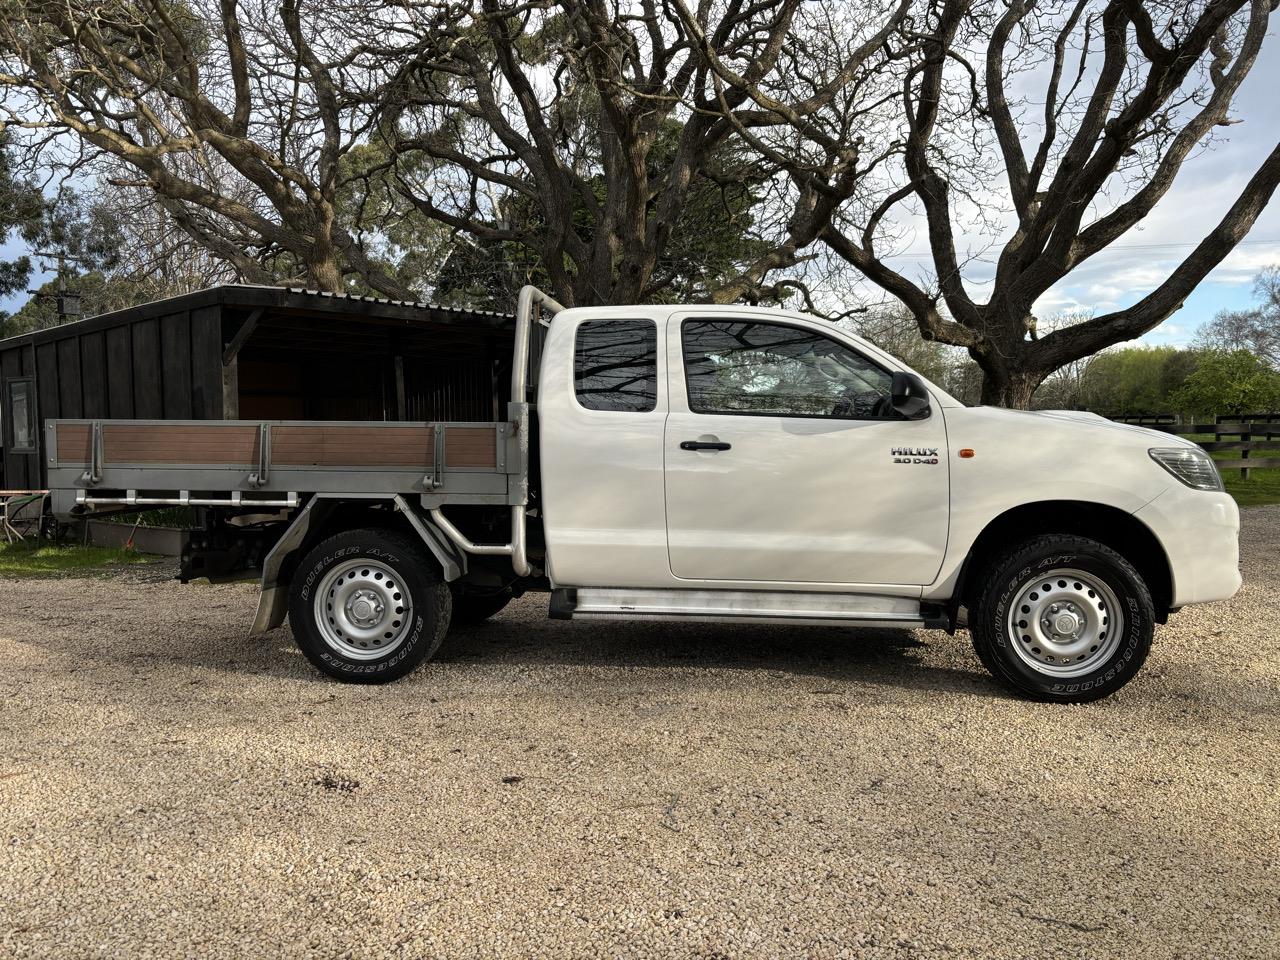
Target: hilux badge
x=914 y=454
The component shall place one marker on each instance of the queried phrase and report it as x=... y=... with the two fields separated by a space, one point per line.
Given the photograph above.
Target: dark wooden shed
x=251 y=352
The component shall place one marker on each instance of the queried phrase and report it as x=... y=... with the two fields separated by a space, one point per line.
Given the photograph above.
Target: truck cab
x=736 y=464
x=734 y=449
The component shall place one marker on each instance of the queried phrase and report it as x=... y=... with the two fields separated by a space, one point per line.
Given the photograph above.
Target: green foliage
x=1175 y=370
x=1228 y=382
x=708 y=244
x=98 y=293
x=22 y=211
x=183 y=518
x=63 y=223
x=712 y=240
x=406 y=243
x=715 y=234
x=1135 y=380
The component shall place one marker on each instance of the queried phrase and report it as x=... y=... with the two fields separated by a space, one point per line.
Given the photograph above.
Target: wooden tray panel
x=471 y=447
x=357 y=445
x=292 y=445
x=73 y=442
x=211 y=443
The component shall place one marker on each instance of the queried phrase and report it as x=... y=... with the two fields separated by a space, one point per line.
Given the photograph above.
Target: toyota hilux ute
x=696 y=463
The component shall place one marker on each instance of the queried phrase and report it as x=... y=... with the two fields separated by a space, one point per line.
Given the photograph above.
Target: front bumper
x=1200 y=532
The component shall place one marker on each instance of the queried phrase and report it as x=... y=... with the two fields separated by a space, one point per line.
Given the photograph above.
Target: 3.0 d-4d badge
x=914 y=454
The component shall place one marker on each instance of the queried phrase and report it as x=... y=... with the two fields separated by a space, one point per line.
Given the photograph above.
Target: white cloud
x=1244 y=263
x=1104 y=291
x=1057 y=301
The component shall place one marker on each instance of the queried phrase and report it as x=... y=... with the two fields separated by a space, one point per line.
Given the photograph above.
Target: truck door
x=785 y=463
x=602 y=402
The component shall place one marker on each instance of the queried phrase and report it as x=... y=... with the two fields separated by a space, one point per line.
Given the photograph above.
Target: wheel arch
x=323 y=517
x=1111 y=526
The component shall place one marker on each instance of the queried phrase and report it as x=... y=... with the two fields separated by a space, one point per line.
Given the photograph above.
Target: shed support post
x=402 y=409
x=231 y=365
x=243 y=334
x=231 y=389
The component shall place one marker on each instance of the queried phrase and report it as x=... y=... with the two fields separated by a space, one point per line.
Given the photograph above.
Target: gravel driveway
x=169 y=788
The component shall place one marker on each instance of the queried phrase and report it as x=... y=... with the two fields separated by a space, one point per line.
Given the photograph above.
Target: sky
x=1206 y=187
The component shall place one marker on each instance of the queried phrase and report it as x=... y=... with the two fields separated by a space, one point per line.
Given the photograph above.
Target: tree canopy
x=22 y=210
x=60 y=223
x=649 y=150
x=1229 y=382
x=1059 y=126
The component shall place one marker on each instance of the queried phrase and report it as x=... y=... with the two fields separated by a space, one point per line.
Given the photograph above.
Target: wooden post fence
x=1250 y=436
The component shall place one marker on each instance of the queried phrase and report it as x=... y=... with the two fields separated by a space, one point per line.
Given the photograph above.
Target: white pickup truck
x=709 y=463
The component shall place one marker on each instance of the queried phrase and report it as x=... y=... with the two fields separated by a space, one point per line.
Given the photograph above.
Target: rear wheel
x=1063 y=618
x=368 y=606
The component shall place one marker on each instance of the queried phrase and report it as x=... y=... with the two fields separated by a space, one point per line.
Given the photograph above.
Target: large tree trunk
x=325 y=275
x=1010 y=388
x=1010 y=373
x=324 y=269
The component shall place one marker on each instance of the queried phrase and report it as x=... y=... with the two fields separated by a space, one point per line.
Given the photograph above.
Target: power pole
x=69 y=306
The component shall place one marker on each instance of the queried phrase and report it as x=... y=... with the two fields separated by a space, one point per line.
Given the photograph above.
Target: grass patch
x=184 y=518
x=1262 y=487
x=31 y=558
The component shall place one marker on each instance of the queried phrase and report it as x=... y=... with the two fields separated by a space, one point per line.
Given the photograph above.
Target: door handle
x=705 y=445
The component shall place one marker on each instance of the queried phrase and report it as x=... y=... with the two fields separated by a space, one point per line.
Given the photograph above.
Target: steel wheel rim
x=362 y=609
x=1065 y=623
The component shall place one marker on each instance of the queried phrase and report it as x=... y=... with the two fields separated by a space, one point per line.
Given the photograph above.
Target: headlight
x=1191 y=465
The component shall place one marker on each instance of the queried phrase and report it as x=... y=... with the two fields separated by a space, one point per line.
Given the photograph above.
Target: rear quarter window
x=615 y=365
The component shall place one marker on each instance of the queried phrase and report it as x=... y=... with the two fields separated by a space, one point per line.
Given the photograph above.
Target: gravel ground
x=171 y=789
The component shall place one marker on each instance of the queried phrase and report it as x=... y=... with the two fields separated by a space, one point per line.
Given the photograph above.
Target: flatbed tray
x=100 y=463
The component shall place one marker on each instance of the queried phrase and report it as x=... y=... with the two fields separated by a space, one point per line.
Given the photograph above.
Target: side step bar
x=737 y=606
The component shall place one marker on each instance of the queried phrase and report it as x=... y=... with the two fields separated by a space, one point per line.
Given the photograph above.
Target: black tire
x=1007 y=580
x=417 y=580
x=470 y=609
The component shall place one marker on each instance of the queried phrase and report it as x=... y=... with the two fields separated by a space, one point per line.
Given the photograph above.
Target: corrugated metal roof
x=249 y=295
x=358 y=298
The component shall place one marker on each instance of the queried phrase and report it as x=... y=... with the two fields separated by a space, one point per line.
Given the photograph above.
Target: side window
x=21 y=409
x=769 y=369
x=615 y=365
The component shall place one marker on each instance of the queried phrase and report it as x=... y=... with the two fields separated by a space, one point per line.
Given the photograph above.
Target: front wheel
x=1064 y=619
x=368 y=606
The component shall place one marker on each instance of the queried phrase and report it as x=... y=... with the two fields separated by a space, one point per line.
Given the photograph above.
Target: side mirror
x=909 y=396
